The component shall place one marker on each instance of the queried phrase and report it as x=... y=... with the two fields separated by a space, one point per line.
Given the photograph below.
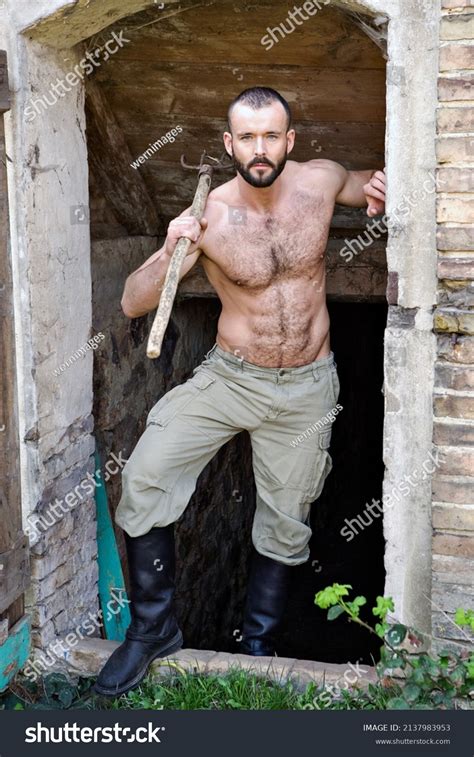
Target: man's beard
x=262 y=181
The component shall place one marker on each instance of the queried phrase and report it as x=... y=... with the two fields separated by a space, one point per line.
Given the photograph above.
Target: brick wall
x=453 y=402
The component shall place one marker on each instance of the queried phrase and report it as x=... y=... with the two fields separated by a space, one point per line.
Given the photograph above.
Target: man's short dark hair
x=259 y=97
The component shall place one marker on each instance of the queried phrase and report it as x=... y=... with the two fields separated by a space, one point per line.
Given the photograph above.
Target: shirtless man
x=271 y=371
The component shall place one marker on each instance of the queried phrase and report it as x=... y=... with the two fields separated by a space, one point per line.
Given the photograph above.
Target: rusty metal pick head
x=223 y=162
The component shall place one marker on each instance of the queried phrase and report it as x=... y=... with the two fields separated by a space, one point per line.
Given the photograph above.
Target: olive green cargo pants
x=287 y=413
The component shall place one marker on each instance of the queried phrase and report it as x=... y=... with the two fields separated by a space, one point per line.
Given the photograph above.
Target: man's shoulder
x=325 y=172
x=221 y=198
x=223 y=193
x=322 y=164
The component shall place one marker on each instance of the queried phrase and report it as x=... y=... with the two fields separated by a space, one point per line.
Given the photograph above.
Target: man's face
x=259 y=143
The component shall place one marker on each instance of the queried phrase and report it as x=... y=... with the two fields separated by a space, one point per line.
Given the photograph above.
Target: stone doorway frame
x=52 y=255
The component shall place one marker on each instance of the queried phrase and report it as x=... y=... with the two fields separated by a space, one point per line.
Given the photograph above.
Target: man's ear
x=227 y=137
x=290 y=140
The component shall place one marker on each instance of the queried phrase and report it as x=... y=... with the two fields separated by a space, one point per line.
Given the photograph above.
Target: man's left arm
x=362 y=189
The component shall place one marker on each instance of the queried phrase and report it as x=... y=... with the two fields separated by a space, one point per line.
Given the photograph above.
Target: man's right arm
x=143 y=287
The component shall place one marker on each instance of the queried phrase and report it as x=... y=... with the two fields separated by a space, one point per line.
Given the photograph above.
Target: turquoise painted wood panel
x=112 y=594
x=14 y=651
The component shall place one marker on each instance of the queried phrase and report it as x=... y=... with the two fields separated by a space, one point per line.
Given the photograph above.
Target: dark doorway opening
x=214 y=534
x=356 y=449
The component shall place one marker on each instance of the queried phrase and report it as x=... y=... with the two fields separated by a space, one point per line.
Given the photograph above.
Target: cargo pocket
x=318 y=475
x=176 y=400
x=334 y=383
x=325 y=438
x=320 y=468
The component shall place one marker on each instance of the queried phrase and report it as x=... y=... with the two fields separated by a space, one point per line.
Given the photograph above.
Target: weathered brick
x=453 y=518
x=459 y=26
x=453 y=544
x=454 y=405
x=453 y=489
x=456 y=377
x=450 y=149
x=455 y=209
x=453 y=570
x=455 y=238
x=452 y=596
x=454 y=179
x=455 y=118
x=457 y=88
x=456 y=348
x=454 y=56
x=445 y=627
x=453 y=321
x=450 y=434
x=456 y=461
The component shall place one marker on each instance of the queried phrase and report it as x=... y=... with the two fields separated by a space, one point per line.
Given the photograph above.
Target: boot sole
x=174 y=645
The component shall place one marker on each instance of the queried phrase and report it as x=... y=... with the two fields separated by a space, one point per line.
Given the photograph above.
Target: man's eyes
x=246 y=137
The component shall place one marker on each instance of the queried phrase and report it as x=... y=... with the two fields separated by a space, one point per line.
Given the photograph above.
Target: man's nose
x=259 y=146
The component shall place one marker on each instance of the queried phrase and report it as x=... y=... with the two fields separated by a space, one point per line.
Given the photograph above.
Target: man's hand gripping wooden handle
x=170 y=286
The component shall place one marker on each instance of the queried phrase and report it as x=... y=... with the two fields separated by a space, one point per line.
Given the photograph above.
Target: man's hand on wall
x=374 y=192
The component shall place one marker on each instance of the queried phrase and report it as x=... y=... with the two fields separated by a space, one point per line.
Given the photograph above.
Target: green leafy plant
x=52 y=692
x=429 y=682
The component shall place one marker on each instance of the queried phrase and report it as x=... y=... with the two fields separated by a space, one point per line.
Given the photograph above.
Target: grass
x=237 y=690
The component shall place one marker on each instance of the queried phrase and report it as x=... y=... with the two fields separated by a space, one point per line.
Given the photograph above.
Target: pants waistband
x=244 y=365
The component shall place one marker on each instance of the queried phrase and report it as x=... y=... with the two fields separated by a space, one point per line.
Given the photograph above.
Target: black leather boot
x=153 y=631
x=266 y=601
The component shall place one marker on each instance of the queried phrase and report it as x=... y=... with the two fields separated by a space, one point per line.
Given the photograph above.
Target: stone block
x=456 y=348
x=454 y=321
x=457 y=377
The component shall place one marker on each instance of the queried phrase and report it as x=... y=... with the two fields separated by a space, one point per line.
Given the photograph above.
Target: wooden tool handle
x=170 y=286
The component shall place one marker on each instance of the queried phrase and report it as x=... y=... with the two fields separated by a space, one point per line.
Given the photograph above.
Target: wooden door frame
x=14 y=547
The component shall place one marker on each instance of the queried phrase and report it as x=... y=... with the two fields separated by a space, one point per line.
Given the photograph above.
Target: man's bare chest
x=255 y=251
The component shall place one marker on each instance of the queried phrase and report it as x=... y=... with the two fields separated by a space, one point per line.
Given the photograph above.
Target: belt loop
x=315 y=370
x=208 y=354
